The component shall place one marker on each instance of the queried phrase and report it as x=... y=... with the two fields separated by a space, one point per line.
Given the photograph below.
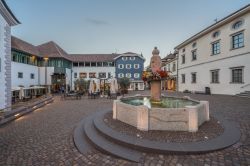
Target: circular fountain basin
x=171 y=113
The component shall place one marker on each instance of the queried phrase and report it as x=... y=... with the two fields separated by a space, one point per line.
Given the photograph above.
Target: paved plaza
x=45 y=136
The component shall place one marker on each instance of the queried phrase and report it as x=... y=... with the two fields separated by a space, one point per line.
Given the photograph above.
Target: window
x=109 y=75
x=174 y=67
x=120 y=75
x=136 y=66
x=83 y=75
x=216 y=34
x=93 y=63
x=75 y=75
x=81 y=64
x=128 y=75
x=20 y=75
x=137 y=75
x=87 y=64
x=215 y=48
x=92 y=75
x=183 y=79
x=32 y=76
x=194 y=44
x=214 y=76
x=102 y=75
x=124 y=58
x=193 y=75
x=168 y=67
x=183 y=59
x=132 y=58
x=110 y=63
x=75 y=64
x=99 y=64
x=194 y=55
x=120 y=66
x=237 y=75
x=183 y=50
x=238 y=40
x=237 y=25
x=105 y=64
x=128 y=66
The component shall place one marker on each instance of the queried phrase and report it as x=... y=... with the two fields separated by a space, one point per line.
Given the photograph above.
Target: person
x=62 y=89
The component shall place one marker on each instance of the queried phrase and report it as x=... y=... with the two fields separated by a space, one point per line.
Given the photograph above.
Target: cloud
x=96 y=22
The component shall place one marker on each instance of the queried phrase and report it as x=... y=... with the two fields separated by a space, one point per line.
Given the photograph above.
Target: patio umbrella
x=113 y=86
x=21 y=93
x=98 y=85
x=91 y=86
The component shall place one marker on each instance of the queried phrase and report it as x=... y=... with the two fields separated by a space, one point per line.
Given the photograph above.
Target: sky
x=116 y=26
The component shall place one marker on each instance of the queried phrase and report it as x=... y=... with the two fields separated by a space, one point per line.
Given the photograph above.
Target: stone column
x=156 y=90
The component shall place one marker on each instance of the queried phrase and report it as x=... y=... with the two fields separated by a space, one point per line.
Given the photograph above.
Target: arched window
x=194 y=44
x=237 y=25
x=216 y=34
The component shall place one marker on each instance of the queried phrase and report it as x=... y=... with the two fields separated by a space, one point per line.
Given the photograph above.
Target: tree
x=81 y=84
x=124 y=84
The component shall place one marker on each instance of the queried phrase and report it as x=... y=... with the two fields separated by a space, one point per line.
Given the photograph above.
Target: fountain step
x=107 y=146
x=80 y=139
x=230 y=136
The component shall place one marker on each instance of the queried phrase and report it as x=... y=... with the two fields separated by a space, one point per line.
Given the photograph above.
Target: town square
x=96 y=96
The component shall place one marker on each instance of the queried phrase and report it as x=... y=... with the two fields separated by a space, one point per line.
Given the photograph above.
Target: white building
x=217 y=57
x=93 y=66
x=7 y=19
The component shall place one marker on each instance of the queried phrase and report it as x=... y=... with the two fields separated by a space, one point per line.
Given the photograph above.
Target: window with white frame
x=128 y=66
x=75 y=75
x=132 y=58
x=102 y=75
x=215 y=76
x=136 y=75
x=120 y=66
x=120 y=75
x=238 y=40
x=193 y=77
x=216 y=48
x=237 y=75
x=124 y=58
x=136 y=66
x=128 y=75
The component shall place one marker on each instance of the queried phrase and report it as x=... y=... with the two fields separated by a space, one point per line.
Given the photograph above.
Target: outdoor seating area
x=22 y=94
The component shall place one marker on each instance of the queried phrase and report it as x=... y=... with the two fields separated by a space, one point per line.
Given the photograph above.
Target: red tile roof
x=92 y=57
x=52 y=50
x=23 y=46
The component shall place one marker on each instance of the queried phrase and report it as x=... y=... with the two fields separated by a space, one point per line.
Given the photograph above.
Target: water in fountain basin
x=166 y=102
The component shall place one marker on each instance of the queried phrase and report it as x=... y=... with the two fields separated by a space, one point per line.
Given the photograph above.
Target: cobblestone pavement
x=44 y=137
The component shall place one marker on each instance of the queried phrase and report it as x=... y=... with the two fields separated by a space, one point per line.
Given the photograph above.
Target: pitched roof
x=23 y=46
x=130 y=54
x=169 y=56
x=93 y=57
x=52 y=50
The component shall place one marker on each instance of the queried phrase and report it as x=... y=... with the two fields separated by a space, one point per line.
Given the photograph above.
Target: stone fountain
x=158 y=112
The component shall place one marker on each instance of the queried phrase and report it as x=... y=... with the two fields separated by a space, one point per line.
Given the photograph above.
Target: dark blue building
x=130 y=65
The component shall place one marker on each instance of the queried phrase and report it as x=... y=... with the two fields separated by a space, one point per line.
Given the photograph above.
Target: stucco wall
x=26 y=69
x=5 y=72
